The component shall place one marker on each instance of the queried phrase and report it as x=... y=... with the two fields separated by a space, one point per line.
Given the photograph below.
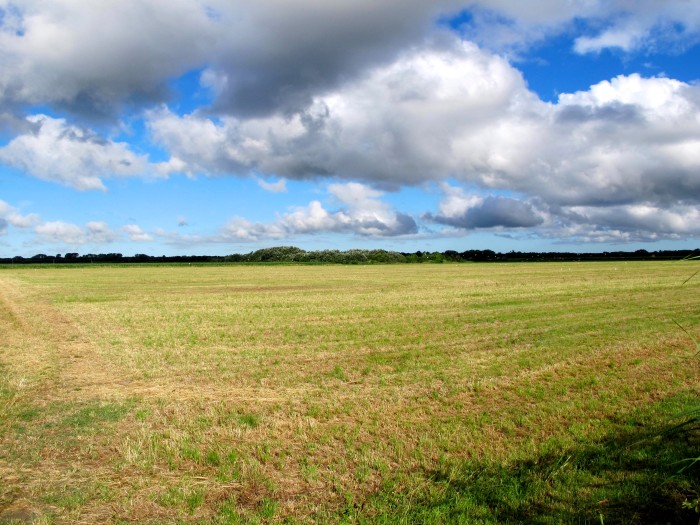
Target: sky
x=190 y=127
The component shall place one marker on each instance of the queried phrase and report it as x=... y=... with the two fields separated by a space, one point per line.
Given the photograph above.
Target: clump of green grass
x=93 y=414
x=249 y=420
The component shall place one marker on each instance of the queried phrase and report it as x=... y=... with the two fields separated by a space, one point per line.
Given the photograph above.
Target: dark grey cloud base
x=493 y=212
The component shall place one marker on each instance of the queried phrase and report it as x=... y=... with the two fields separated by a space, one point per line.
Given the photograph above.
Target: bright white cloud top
x=341 y=124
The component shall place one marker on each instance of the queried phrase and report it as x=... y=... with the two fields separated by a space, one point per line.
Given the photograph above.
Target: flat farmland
x=435 y=393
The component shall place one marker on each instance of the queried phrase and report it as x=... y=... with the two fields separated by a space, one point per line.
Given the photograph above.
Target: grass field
x=501 y=393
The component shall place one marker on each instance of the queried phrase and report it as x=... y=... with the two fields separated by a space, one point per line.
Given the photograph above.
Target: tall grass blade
x=689 y=278
x=692 y=338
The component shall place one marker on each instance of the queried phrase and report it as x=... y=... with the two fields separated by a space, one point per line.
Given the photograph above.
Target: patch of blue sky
x=683 y=66
x=16 y=187
x=54 y=202
x=9 y=19
x=188 y=93
x=553 y=67
x=204 y=201
x=456 y=21
x=6 y=135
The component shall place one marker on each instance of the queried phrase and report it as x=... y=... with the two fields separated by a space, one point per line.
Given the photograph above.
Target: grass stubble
x=510 y=393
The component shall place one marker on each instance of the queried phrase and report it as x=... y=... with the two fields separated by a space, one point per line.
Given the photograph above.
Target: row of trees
x=291 y=254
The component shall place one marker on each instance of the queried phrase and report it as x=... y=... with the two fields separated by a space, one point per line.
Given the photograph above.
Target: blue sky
x=215 y=127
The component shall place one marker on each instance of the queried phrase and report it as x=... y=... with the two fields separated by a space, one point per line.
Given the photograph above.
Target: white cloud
x=98 y=232
x=10 y=216
x=64 y=233
x=657 y=97
x=275 y=187
x=59 y=232
x=625 y=40
x=624 y=141
x=362 y=214
x=398 y=124
x=642 y=221
x=73 y=156
x=136 y=234
x=239 y=229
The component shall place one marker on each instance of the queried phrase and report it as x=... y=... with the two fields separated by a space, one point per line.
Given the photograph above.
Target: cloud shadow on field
x=634 y=475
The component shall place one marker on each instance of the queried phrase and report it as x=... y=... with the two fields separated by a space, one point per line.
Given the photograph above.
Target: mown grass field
x=470 y=393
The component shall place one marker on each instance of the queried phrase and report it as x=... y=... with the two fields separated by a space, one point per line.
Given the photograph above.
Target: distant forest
x=291 y=254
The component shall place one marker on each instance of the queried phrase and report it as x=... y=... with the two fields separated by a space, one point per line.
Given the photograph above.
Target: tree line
x=292 y=254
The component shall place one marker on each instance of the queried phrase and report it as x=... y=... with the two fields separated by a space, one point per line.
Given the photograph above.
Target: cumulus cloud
x=98 y=232
x=136 y=234
x=455 y=111
x=9 y=216
x=356 y=210
x=635 y=140
x=56 y=232
x=636 y=222
x=74 y=156
x=603 y=223
x=362 y=213
x=462 y=113
x=469 y=212
x=90 y=57
x=240 y=229
x=261 y=55
x=398 y=124
x=510 y=26
x=59 y=232
x=280 y=55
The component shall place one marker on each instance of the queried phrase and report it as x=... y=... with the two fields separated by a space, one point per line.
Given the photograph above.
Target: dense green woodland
x=291 y=254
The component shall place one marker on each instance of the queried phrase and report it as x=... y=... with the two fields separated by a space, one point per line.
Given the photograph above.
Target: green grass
x=510 y=393
x=628 y=475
